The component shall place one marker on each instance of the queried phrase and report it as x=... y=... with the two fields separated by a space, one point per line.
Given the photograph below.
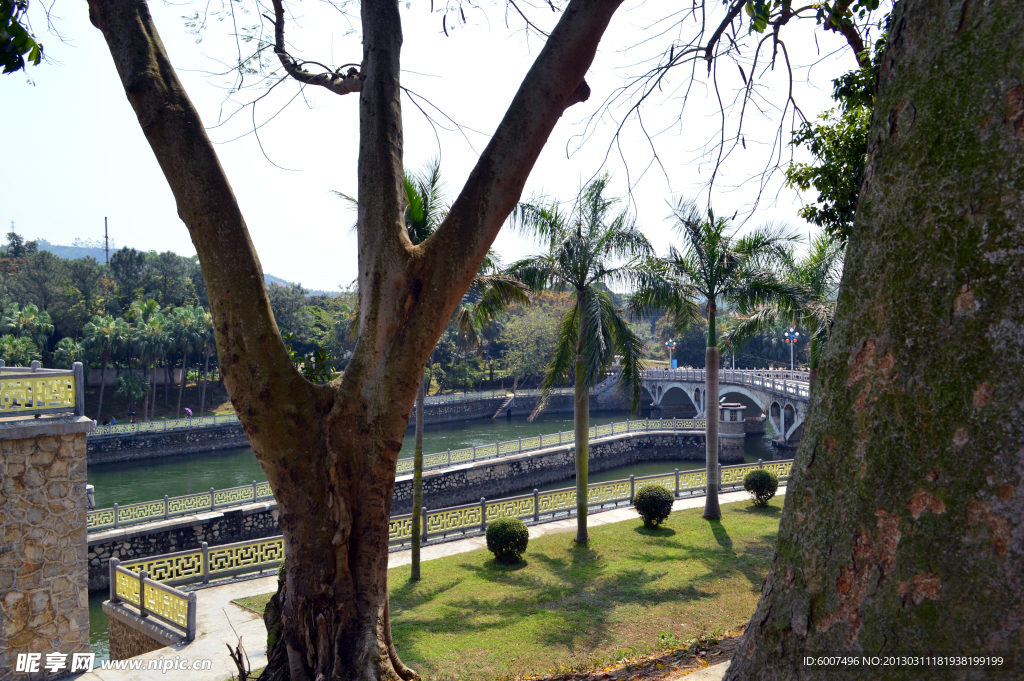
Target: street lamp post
x=671 y=345
x=791 y=338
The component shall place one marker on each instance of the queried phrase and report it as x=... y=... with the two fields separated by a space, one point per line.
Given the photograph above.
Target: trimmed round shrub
x=762 y=485
x=654 y=504
x=507 y=539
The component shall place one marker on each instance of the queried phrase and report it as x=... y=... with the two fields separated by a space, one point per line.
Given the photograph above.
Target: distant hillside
x=80 y=249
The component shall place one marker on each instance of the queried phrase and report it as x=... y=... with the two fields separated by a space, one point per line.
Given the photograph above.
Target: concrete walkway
x=215 y=610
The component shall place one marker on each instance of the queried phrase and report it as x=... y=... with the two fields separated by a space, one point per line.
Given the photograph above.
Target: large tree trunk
x=330 y=451
x=903 y=527
x=417 y=482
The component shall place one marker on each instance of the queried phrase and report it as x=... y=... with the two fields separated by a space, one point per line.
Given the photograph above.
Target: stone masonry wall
x=127 y=642
x=44 y=605
x=131 y=446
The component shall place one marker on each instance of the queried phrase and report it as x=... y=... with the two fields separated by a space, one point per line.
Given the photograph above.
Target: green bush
x=507 y=539
x=654 y=504
x=762 y=485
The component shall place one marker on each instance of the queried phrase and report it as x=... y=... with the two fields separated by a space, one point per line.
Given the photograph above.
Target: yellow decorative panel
x=171 y=568
x=734 y=476
x=228 y=558
x=460 y=518
x=780 y=468
x=100 y=518
x=667 y=481
x=511 y=447
x=612 y=491
x=515 y=508
x=531 y=443
x=462 y=455
x=127 y=587
x=31 y=393
x=168 y=605
x=191 y=503
x=399 y=530
x=486 y=451
x=557 y=501
x=137 y=512
x=263 y=490
x=693 y=480
x=237 y=495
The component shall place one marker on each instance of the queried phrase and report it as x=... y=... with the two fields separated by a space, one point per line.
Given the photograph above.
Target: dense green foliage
x=654 y=504
x=507 y=539
x=16 y=40
x=762 y=485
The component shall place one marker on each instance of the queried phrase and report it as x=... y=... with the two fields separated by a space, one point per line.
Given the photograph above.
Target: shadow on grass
x=721 y=536
x=764 y=512
x=657 y=532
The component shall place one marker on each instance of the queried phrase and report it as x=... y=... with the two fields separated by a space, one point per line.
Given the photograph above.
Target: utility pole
x=106 y=240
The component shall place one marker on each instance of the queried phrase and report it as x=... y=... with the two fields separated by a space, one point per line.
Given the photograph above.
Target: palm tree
x=209 y=346
x=18 y=352
x=187 y=336
x=67 y=352
x=818 y=273
x=150 y=336
x=102 y=335
x=584 y=249
x=716 y=265
x=132 y=386
x=27 y=322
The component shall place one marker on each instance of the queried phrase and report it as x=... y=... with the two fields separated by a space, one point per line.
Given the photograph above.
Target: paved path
x=215 y=610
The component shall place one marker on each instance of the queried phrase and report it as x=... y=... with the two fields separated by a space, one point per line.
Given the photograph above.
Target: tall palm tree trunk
x=103 y=384
x=202 y=399
x=711 y=508
x=181 y=384
x=417 y=483
x=168 y=378
x=581 y=425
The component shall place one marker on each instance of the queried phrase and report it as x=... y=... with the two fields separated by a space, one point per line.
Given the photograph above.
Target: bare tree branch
x=335 y=81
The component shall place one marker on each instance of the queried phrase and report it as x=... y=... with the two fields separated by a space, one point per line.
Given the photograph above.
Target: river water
x=131 y=482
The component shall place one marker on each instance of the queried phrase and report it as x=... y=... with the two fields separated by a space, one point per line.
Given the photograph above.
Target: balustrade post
x=114 y=562
x=719 y=477
x=632 y=488
x=677 y=484
x=497 y=449
x=536 y=506
x=449 y=456
x=483 y=515
x=205 y=549
x=760 y=464
x=627 y=425
x=559 y=437
x=165 y=424
x=116 y=525
x=190 y=626
x=423 y=525
x=520 y=445
x=474 y=452
x=143 y=574
x=254 y=497
x=213 y=503
x=166 y=508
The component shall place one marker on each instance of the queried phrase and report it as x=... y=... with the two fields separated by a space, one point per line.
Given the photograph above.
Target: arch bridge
x=782 y=396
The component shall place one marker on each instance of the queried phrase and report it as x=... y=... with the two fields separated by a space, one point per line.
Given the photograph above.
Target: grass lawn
x=571 y=607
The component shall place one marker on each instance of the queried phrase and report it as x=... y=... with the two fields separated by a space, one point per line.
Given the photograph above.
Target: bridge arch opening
x=675 y=403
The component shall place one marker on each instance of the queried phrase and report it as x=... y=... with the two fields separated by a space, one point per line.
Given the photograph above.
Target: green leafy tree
x=132 y=386
x=27 y=322
x=17 y=43
x=716 y=265
x=102 y=336
x=151 y=340
x=128 y=270
x=67 y=352
x=209 y=347
x=590 y=244
x=818 y=274
x=186 y=334
x=18 y=351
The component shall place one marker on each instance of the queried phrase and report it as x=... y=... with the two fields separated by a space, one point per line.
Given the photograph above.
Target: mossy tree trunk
x=330 y=451
x=903 y=527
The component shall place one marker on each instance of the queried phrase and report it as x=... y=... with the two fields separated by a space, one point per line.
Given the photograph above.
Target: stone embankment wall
x=127 y=642
x=44 y=604
x=453 y=486
x=239 y=523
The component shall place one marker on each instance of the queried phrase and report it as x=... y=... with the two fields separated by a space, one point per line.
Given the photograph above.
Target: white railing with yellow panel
x=153 y=599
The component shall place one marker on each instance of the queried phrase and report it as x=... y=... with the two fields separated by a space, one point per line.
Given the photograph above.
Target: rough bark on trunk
x=903 y=527
x=417 y=482
x=581 y=426
x=330 y=451
x=712 y=511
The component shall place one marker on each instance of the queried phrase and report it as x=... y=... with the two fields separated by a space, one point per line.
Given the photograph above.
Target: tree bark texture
x=581 y=425
x=330 y=451
x=903 y=527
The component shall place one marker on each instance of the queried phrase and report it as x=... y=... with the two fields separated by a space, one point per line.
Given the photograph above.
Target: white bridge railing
x=789 y=383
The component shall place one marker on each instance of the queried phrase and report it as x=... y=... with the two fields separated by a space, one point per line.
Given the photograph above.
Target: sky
x=76 y=155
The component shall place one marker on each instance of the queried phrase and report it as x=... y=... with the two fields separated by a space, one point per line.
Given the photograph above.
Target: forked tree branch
x=848 y=31
x=336 y=82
